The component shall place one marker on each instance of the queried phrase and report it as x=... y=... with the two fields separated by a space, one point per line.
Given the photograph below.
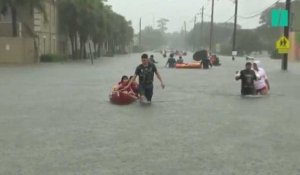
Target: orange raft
x=193 y=65
x=121 y=98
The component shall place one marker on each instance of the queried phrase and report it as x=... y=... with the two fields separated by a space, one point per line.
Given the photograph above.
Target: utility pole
x=140 y=34
x=202 y=27
x=185 y=35
x=185 y=28
x=234 y=29
x=153 y=21
x=195 y=20
x=202 y=15
x=211 y=26
x=284 y=63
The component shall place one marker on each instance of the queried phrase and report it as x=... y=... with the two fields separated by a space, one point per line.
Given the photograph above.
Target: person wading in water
x=145 y=72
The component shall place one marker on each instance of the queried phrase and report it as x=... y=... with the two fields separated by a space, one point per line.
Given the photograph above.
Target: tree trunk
x=76 y=46
x=14 y=21
x=95 y=54
x=84 y=50
x=113 y=48
x=83 y=54
x=80 y=50
x=72 y=46
x=99 y=49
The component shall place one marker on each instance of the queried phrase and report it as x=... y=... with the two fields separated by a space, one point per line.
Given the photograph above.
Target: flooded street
x=56 y=119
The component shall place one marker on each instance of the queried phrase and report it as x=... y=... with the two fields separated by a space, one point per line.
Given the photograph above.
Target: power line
x=259 y=13
x=228 y=19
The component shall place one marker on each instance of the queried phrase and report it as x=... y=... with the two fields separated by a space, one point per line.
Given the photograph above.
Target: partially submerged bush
x=51 y=58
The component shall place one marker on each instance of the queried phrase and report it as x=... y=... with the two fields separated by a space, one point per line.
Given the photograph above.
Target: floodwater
x=56 y=119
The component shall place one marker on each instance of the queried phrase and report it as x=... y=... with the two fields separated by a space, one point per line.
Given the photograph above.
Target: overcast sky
x=178 y=11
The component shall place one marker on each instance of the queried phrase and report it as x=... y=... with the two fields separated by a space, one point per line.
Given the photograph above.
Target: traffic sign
x=283 y=45
x=279 y=18
x=234 y=53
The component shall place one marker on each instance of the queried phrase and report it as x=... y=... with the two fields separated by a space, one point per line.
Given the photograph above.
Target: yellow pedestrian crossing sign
x=283 y=45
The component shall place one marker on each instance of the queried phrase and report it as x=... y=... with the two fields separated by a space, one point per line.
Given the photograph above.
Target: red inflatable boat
x=121 y=98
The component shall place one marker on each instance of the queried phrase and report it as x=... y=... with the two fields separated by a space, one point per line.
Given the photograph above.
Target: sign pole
x=284 y=63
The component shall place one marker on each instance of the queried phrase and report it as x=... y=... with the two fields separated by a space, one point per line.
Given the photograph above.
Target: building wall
x=33 y=25
x=5 y=29
x=295 y=16
x=17 y=50
x=24 y=23
x=294 y=53
x=5 y=25
x=47 y=33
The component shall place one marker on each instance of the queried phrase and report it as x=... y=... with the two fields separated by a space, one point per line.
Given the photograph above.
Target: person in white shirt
x=262 y=85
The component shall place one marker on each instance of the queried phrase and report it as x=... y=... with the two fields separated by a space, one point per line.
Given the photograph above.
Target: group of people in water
x=131 y=90
x=254 y=79
x=171 y=62
x=145 y=72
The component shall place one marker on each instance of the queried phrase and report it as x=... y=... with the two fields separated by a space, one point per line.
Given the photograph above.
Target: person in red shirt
x=122 y=86
x=134 y=86
x=123 y=83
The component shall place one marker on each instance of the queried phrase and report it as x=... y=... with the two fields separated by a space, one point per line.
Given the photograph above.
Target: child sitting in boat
x=180 y=60
x=122 y=95
x=134 y=86
x=122 y=84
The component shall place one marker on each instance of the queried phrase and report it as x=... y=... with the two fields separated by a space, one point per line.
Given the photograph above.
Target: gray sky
x=178 y=11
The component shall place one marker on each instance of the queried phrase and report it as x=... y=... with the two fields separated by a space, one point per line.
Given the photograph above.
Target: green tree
x=198 y=37
x=268 y=34
x=177 y=40
x=162 y=24
x=248 y=41
x=92 y=20
x=68 y=19
x=152 y=38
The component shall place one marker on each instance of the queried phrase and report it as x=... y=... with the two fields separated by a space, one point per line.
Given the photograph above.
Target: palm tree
x=92 y=20
x=14 y=5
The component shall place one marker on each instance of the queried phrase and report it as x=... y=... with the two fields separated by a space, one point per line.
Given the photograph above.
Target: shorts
x=262 y=89
x=248 y=91
x=146 y=90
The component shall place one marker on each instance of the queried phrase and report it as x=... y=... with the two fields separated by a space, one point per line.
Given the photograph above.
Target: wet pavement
x=56 y=119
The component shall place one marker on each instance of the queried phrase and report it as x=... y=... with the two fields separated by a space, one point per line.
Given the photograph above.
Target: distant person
x=152 y=60
x=164 y=53
x=205 y=61
x=262 y=86
x=145 y=72
x=171 y=63
x=180 y=60
x=214 y=59
x=247 y=76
